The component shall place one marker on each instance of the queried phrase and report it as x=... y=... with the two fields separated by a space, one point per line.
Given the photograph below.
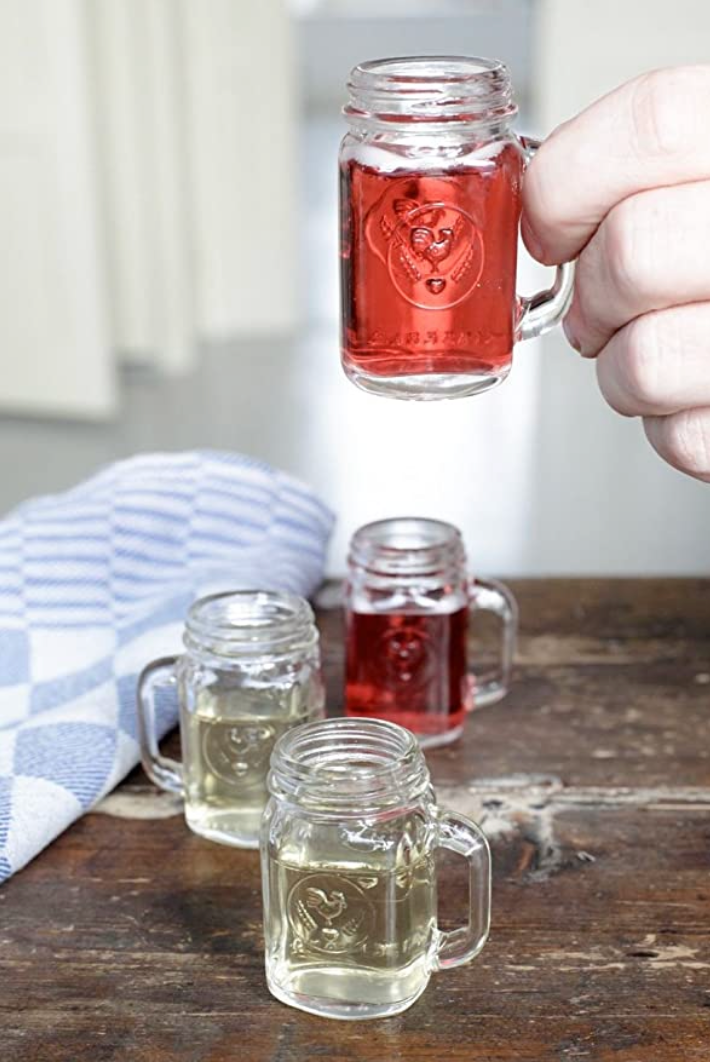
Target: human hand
x=626 y=187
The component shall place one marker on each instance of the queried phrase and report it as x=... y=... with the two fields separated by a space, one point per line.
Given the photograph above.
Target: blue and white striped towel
x=94 y=583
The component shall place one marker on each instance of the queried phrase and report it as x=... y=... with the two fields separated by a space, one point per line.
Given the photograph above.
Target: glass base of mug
x=224 y=827
x=341 y=1010
x=434 y=741
x=425 y=387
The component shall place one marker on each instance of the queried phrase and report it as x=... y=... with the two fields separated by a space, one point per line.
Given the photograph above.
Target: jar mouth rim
x=412 y=69
x=430 y=88
x=406 y=545
x=249 y=621
x=345 y=763
x=409 y=533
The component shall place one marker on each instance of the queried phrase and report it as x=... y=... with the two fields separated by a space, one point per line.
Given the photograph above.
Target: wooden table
x=132 y=939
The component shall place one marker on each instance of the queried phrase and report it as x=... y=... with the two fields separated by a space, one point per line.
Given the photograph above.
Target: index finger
x=648 y=133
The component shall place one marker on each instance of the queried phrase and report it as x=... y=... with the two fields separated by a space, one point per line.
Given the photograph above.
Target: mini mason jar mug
x=250 y=671
x=408 y=597
x=430 y=176
x=348 y=850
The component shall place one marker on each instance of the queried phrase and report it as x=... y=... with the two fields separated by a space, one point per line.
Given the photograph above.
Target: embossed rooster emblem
x=428 y=242
x=434 y=247
x=245 y=746
x=236 y=753
x=322 y=912
x=406 y=654
x=434 y=251
x=330 y=906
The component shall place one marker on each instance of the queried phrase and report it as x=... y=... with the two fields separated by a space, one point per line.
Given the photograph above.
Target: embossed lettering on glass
x=250 y=672
x=430 y=191
x=408 y=599
x=348 y=850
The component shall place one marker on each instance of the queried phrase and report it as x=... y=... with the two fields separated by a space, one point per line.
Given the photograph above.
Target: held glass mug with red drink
x=430 y=190
x=408 y=597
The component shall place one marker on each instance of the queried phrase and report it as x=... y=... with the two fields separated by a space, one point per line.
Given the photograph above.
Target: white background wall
x=583 y=48
x=142 y=201
x=53 y=321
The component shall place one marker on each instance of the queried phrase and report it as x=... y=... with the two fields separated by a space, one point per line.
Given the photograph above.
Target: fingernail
x=572 y=339
x=532 y=241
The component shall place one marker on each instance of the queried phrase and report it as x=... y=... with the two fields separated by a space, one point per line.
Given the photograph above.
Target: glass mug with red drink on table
x=408 y=600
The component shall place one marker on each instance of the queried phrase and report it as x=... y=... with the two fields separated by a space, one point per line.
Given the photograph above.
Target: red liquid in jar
x=428 y=267
x=410 y=669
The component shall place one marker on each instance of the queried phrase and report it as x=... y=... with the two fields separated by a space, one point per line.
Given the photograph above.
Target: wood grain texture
x=132 y=940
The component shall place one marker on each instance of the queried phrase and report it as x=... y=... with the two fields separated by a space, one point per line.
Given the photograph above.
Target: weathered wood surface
x=132 y=940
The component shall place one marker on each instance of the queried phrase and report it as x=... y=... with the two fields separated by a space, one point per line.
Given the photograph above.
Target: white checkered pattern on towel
x=94 y=583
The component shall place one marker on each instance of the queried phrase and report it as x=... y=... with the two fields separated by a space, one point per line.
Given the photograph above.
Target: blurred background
x=168 y=269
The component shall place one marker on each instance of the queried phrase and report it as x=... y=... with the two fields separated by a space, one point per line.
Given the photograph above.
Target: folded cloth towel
x=94 y=583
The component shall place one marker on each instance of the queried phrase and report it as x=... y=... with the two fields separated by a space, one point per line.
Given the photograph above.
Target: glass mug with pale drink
x=431 y=175
x=348 y=848
x=408 y=601
x=250 y=672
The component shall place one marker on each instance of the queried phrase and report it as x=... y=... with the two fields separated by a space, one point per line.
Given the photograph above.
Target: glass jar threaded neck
x=250 y=624
x=349 y=767
x=430 y=90
x=408 y=548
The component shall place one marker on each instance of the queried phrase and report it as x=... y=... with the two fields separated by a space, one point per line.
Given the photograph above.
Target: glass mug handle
x=165 y=772
x=489 y=595
x=545 y=309
x=460 y=835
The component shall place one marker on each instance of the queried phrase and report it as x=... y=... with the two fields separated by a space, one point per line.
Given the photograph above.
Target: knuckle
x=539 y=191
x=608 y=379
x=667 y=107
x=641 y=363
x=581 y=315
x=545 y=207
x=687 y=441
x=623 y=231
x=590 y=269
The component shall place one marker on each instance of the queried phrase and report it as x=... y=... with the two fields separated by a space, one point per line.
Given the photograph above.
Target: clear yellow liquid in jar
x=227 y=742
x=352 y=941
